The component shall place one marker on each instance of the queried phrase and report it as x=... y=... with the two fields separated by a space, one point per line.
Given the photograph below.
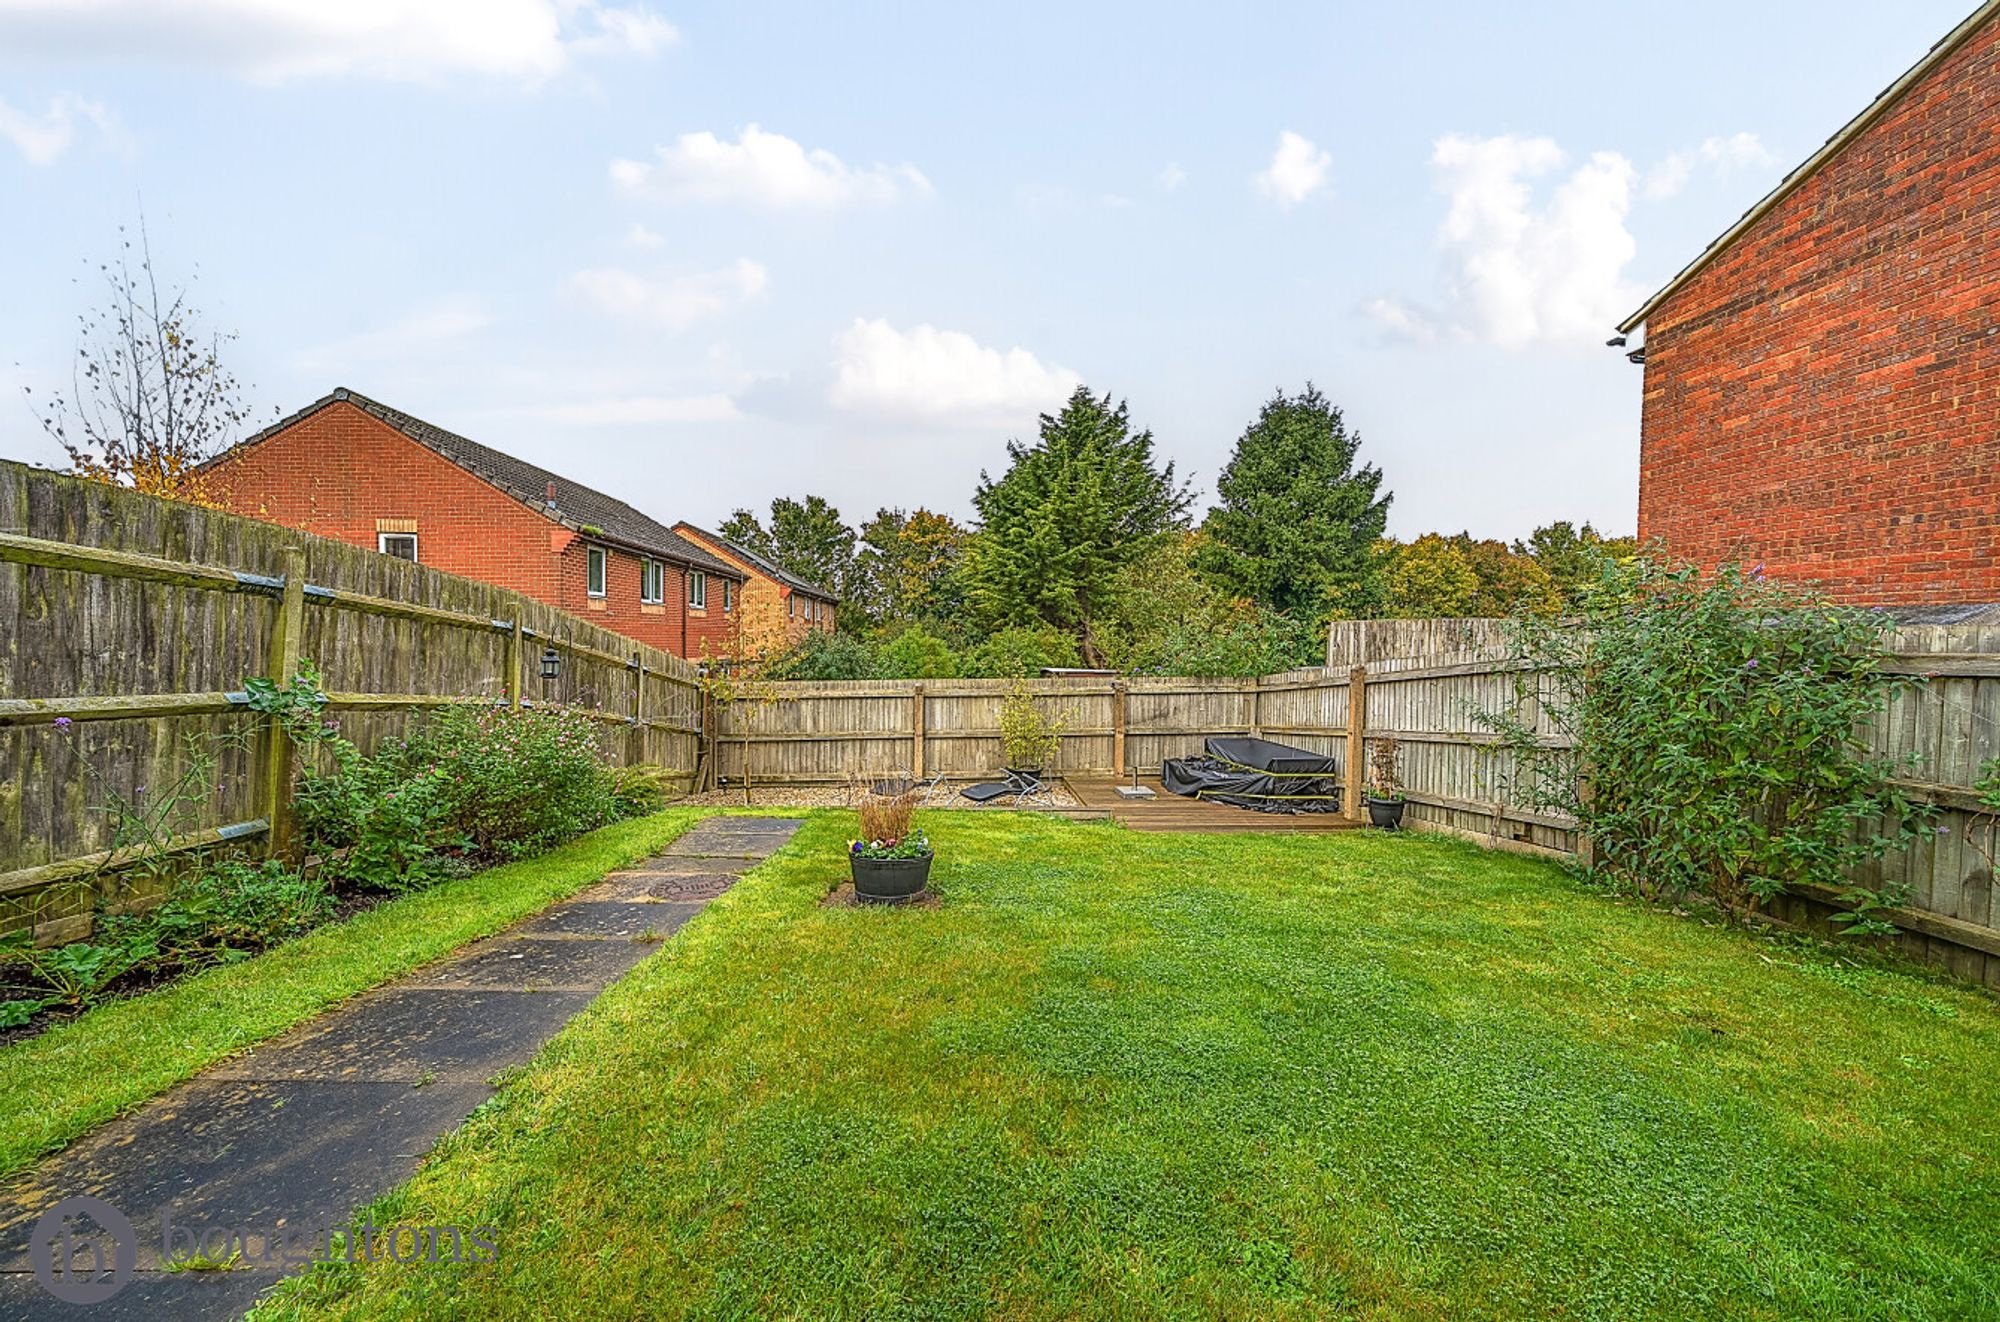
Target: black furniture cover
x=1256 y=773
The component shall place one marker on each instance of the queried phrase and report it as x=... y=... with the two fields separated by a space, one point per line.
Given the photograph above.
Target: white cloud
x=1722 y=155
x=1525 y=264
x=640 y=235
x=42 y=138
x=1402 y=320
x=1171 y=177
x=1297 y=170
x=280 y=40
x=409 y=336
x=642 y=409
x=674 y=301
x=762 y=169
x=930 y=373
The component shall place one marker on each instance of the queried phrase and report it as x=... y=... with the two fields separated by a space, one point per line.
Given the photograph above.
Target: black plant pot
x=889 y=880
x=1385 y=813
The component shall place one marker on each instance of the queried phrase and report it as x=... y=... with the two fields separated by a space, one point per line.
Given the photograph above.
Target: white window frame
x=728 y=595
x=382 y=544
x=653 y=583
x=596 y=571
x=697 y=590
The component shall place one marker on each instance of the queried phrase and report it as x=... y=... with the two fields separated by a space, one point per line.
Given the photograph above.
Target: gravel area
x=836 y=796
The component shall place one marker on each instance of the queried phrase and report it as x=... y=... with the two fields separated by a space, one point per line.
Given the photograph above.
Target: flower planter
x=889 y=880
x=1385 y=813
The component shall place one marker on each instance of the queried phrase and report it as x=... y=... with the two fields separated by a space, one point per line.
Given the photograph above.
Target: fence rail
x=128 y=626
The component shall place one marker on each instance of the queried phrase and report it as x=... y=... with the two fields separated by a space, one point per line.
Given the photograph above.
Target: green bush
x=467 y=784
x=226 y=911
x=827 y=656
x=916 y=653
x=1716 y=717
x=1021 y=653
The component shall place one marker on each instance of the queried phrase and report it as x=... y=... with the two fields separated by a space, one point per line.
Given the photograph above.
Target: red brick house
x=1822 y=389
x=350 y=468
x=778 y=607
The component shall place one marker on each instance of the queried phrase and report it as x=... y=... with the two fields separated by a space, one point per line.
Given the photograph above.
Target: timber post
x=1357 y=740
x=281 y=663
x=917 y=732
x=1119 y=692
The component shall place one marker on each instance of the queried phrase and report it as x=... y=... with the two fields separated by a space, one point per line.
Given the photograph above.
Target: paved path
x=324 y=1119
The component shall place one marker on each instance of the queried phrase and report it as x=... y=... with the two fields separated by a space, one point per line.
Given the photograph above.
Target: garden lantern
x=551 y=663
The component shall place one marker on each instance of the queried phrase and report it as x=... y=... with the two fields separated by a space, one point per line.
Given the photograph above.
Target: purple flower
x=1751 y=664
x=1944 y=830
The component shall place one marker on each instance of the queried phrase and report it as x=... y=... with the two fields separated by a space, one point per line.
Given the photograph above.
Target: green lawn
x=1125 y=1075
x=61 y=1083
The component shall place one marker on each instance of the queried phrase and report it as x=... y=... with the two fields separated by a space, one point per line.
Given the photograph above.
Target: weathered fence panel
x=136 y=622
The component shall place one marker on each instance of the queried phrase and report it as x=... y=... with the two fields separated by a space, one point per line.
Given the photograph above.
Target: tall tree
x=1295 y=523
x=908 y=567
x=804 y=537
x=1071 y=511
x=1574 y=556
x=149 y=397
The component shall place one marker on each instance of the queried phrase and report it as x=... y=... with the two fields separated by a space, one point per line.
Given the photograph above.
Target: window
x=697 y=589
x=728 y=596
x=402 y=545
x=596 y=584
x=653 y=582
x=791 y=606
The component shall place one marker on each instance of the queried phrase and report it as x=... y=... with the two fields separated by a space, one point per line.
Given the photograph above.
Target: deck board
x=1174 y=812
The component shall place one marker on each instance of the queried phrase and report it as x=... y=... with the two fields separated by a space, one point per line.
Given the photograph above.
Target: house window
x=728 y=596
x=596 y=572
x=653 y=582
x=698 y=589
x=402 y=545
x=791 y=607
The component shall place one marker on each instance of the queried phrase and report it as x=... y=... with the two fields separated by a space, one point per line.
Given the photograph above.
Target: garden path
x=321 y=1121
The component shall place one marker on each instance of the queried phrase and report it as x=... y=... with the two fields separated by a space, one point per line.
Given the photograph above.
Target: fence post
x=1118 y=692
x=1256 y=706
x=280 y=663
x=917 y=731
x=514 y=664
x=1357 y=739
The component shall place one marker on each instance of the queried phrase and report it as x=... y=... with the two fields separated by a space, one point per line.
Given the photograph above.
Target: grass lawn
x=1130 y=1075
x=75 y=1076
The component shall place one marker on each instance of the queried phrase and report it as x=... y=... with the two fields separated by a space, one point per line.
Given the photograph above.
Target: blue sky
x=700 y=255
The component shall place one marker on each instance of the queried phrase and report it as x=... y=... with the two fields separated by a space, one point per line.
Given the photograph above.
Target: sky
x=703 y=255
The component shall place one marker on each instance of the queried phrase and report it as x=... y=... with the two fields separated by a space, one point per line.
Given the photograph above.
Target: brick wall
x=1824 y=397
x=341 y=473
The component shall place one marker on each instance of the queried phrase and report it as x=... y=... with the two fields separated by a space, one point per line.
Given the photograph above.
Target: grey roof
x=763 y=564
x=1971 y=613
x=584 y=509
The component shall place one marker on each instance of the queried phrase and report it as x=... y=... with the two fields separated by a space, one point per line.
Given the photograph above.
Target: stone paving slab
x=624 y=919
x=653 y=887
x=525 y=964
x=153 y=1296
x=408 y=1035
x=243 y=1154
x=325 y=1118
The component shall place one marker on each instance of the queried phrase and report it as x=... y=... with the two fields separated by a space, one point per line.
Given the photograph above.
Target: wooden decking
x=1173 y=812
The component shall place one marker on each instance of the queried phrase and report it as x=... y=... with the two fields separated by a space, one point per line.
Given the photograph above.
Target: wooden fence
x=128 y=626
x=1458 y=775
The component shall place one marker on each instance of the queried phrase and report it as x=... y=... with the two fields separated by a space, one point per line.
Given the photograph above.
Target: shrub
x=475 y=782
x=1716 y=718
x=1019 y=653
x=915 y=653
x=1030 y=737
x=826 y=656
x=229 y=909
